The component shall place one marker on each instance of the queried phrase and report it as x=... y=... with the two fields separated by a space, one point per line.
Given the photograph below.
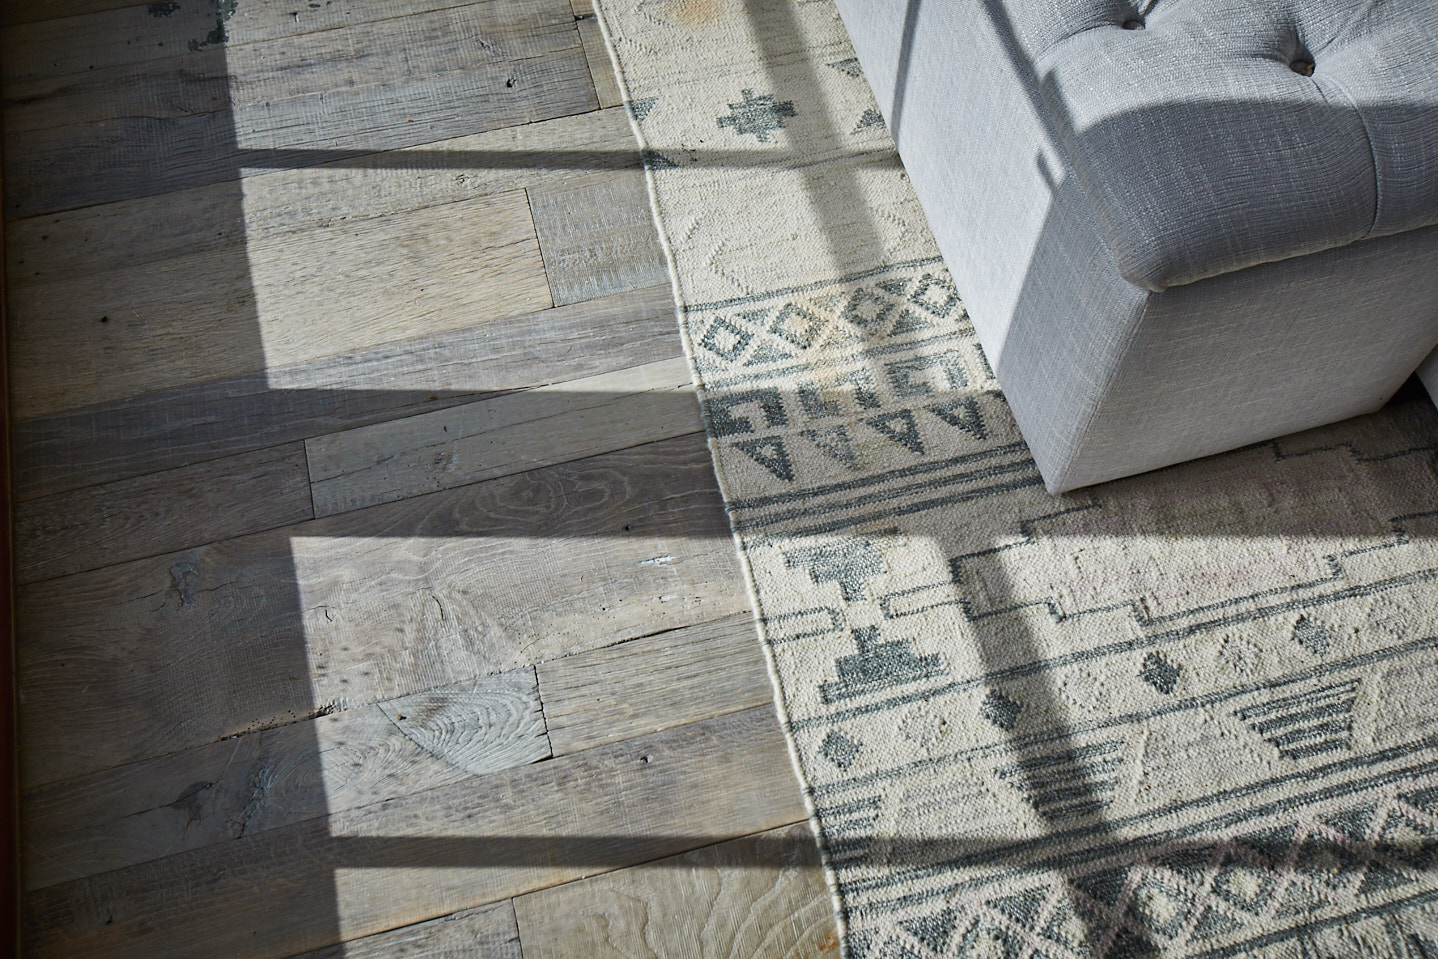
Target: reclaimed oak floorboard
x=289 y=774
x=105 y=442
x=755 y=897
x=161 y=512
x=597 y=235
x=651 y=683
x=207 y=113
x=497 y=437
x=366 y=734
x=136 y=329
x=489 y=932
x=435 y=852
x=182 y=649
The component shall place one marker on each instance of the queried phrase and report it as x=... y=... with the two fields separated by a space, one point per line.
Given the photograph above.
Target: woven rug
x=1190 y=714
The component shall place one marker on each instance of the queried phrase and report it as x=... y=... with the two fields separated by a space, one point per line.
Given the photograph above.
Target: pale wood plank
x=488 y=931
x=279 y=202
x=435 y=852
x=133 y=330
x=758 y=897
x=581 y=8
x=601 y=67
x=93 y=39
x=278 y=777
x=652 y=683
x=188 y=800
x=202 y=118
x=174 y=427
x=189 y=506
x=598 y=235
x=497 y=437
x=179 y=650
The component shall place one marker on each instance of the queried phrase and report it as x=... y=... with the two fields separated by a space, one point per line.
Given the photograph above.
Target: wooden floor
x=375 y=594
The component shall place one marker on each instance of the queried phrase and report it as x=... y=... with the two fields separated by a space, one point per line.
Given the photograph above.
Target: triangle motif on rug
x=1306 y=724
x=834 y=443
x=962 y=415
x=901 y=427
x=770 y=454
x=1070 y=783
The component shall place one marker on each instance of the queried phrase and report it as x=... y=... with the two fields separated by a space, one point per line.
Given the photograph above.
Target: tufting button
x=1133 y=24
x=1303 y=67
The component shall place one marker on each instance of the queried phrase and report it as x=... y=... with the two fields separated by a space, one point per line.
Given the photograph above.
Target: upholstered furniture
x=1180 y=226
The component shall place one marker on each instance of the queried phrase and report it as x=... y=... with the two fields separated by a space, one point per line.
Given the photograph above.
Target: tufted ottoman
x=1179 y=226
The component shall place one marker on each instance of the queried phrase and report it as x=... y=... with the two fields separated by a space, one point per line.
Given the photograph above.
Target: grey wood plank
x=652 y=683
x=757 y=897
x=202 y=118
x=601 y=67
x=171 y=428
x=133 y=330
x=97 y=38
x=598 y=236
x=175 y=651
x=188 y=506
x=277 y=777
x=436 y=852
x=497 y=437
x=280 y=202
x=13 y=13
x=488 y=931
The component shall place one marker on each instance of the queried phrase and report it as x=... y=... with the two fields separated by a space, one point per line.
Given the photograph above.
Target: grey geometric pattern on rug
x=1188 y=714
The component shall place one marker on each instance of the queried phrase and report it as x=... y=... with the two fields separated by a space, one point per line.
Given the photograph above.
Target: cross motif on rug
x=758 y=115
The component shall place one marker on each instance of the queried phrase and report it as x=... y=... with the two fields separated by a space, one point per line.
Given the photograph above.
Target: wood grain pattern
x=277 y=777
x=188 y=506
x=435 y=852
x=598 y=236
x=162 y=654
x=488 y=932
x=652 y=683
x=97 y=38
x=276 y=202
x=202 y=117
x=757 y=897
x=601 y=67
x=134 y=330
x=497 y=437
x=190 y=424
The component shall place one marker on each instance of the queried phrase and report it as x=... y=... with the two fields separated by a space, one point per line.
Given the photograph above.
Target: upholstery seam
x=1372 y=148
x=1102 y=393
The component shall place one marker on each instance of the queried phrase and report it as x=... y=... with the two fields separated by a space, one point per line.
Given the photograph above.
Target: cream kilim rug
x=1189 y=714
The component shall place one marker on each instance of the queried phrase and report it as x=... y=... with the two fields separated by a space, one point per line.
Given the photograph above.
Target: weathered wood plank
x=93 y=39
x=598 y=236
x=179 y=650
x=154 y=326
x=497 y=437
x=652 y=683
x=174 y=427
x=601 y=67
x=278 y=202
x=189 y=506
x=436 y=852
x=202 y=117
x=758 y=897
x=14 y=13
x=279 y=777
x=488 y=932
